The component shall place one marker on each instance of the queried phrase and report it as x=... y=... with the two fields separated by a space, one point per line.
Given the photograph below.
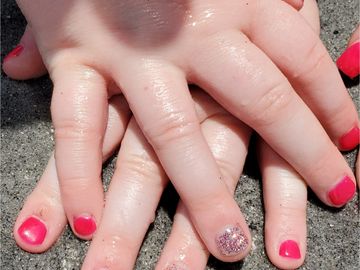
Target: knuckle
x=141 y=169
x=72 y=129
x=316 y=56
x=271 y=105
x=173 y=127
x=72 y=186
x=209 y=203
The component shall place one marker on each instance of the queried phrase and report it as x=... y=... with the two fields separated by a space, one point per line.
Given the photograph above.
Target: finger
x=306 y=63
x=24 y=61
x=269 y=105
x=349 y=62
x=42 y=218
x=79 y=112
x=310 y=12
x=131 y=202
x=285 y=197
x=158 y=96
x=228 y=140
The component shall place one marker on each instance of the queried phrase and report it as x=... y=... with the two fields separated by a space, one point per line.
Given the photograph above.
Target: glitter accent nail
x=232 y=241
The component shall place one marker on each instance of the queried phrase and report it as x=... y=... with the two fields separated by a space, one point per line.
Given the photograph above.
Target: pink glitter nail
x=232 y=241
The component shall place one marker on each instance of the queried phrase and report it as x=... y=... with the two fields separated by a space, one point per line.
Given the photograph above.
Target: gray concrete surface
x=333 y=236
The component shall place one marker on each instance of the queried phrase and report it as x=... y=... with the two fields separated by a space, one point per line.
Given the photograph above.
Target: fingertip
x=287 y=253
x=84 y=226
x=349 y=61
x=24 y=61
x=233 y=243
x=38 y=225
x=30 y=233
x=342 y=192
x=350 y=139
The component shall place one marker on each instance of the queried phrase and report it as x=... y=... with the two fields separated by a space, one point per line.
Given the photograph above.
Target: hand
x=271 y=137
x=126 y=218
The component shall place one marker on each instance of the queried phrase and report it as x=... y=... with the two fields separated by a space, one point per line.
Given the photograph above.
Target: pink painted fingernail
x=350 y=140
x=289 y=249
x=232 y=241
x=14 y=53
x=32 y=231
x=342 y=192
x=84 y=225
x=349 y=61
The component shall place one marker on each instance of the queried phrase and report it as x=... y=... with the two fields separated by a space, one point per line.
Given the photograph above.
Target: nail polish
x=289 y=249
x=14 y=53
x=350 y=140
x=349 y=61
x=232 y=241
x=342 y=192
x=84 y=225
x=32 y=231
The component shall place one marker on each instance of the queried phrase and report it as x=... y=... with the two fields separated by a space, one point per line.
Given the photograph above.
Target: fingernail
x=342 y=192
x=84 y=225
x=32 y=231
x=350 y=140
x=289 y=249
x=14 y=53
x=348 y=62
x=232 y=241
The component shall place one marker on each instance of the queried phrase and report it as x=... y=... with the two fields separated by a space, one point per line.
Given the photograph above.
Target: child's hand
x=136 y=188
x=150 y=51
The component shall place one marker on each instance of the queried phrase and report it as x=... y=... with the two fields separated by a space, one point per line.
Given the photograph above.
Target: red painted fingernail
x=289 y=249
x=342 y=192
x=32 y=231
x=349 y=61
x=84 y=225
x=14 y=53
x=350 y=140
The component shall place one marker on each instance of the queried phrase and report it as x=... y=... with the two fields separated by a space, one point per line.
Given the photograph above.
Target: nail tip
x=343 y=192
x=350 y=140
x=84 y=225
x=32 y=231
x=348 y=63
x=290 y=249
x=232 y=241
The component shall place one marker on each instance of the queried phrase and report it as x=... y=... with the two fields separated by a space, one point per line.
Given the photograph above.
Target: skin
x=236 y=178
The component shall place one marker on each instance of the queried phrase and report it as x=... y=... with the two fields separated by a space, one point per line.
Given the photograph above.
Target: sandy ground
x=333 y=236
